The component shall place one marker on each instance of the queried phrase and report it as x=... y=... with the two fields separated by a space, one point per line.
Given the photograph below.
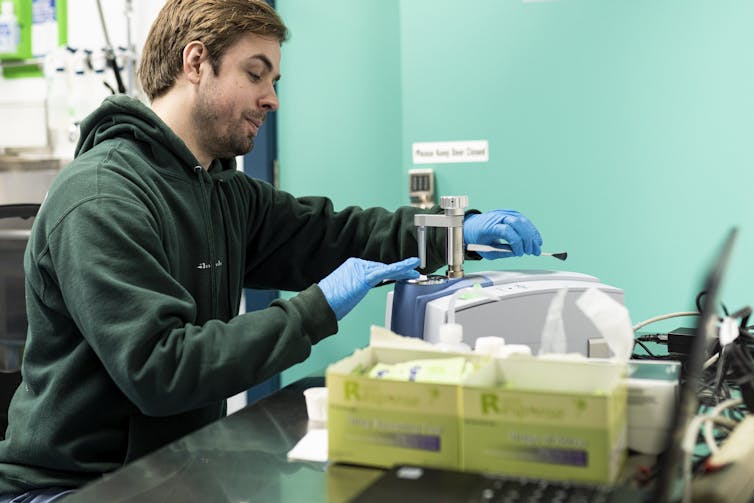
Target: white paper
x=313 y=447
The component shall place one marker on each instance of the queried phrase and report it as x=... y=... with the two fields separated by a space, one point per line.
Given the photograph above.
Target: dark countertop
x=243 y=458
x=240 y=458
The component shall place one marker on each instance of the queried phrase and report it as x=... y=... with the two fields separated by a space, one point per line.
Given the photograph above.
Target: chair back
x=15 y=228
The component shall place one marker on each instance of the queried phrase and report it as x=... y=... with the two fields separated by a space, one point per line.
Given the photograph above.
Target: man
x=139 y=254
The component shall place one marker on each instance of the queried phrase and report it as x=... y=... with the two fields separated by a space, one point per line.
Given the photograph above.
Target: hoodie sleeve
x=308 y=239
x=116 y=285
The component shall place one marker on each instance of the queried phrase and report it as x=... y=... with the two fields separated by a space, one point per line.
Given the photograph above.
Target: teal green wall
x=339 y=126
x=623 y=129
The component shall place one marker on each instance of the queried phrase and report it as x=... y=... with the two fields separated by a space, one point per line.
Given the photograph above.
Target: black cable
x=110 y=54
x=743 y=359
x=698 y=302
x=657 y=338
x=744 y=314
x=644 y=346
x=721 y=367
x=114 y=66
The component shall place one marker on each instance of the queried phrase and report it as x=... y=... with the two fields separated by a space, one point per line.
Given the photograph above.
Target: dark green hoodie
x=134 y=273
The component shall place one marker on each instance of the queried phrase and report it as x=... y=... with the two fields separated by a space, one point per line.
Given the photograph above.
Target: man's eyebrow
x=267 y=63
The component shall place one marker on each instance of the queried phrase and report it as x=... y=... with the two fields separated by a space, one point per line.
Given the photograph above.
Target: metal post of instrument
x=421 y=236
x=454 y=206
x=452 y=219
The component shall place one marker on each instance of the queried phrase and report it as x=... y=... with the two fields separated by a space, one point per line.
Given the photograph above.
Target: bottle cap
x=488 y=345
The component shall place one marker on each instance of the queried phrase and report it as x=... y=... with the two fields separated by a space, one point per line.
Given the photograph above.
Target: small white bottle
x=9 y=30
x=489 y=345
x=451 y=339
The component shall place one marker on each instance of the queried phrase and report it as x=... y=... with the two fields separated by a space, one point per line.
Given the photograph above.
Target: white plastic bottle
x=58 y=120
x=451 y=339
x=96 y=79
x=9 y=31
x=79 y=102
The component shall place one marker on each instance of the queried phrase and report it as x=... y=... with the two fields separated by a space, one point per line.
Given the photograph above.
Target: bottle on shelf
x=9 y=30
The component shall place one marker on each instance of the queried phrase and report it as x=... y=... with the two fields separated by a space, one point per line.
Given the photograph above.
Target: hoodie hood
x=121 y=117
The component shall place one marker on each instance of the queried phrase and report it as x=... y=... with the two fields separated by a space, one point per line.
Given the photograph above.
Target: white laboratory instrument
x=513 y=305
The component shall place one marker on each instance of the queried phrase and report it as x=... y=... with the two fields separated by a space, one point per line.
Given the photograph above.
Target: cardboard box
x=547 y=418
x=381 y=422
x=539 y=417
x=652 y=398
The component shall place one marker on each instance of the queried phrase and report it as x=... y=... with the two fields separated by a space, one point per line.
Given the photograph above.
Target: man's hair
x=218 y=24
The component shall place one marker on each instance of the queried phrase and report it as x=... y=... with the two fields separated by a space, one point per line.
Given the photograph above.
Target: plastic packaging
x=9 y=31
x=611 y=319
x=553 y=333
x=449 y=370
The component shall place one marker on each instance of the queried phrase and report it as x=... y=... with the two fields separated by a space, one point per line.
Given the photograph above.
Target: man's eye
x=254 y=77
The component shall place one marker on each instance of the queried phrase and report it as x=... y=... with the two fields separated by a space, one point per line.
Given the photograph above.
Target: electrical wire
x=656 y=337
x=730 y=368
x=664 y=317
x=689 y=442
x=716 y=412
x=711 y=361
x=109 y=53
x=644 y=346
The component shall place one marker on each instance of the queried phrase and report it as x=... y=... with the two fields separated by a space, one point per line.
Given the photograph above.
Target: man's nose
x=269 y=102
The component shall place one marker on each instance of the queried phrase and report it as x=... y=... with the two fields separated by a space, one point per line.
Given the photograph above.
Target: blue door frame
x=260 y=163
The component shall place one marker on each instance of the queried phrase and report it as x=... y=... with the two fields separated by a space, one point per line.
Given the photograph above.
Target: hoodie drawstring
x=225 y=209
x=211 y=237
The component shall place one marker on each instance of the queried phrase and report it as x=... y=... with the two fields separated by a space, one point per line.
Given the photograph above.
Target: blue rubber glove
x=349 y=283
x=497 y=226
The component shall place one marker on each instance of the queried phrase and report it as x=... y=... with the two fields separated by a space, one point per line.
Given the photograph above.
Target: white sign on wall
x=450 y=151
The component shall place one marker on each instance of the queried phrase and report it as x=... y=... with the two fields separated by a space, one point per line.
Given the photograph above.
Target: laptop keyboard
x=498 y=490
x=412 y=484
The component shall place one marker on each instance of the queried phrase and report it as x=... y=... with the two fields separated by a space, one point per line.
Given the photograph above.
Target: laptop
x=415 y=484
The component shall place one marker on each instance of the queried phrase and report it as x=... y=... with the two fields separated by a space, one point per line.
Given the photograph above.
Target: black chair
x=14 y=234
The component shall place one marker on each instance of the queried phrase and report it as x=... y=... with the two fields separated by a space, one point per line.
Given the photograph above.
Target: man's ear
x=194 y=54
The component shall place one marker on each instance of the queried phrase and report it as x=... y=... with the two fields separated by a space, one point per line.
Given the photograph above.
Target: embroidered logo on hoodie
x=205 y=265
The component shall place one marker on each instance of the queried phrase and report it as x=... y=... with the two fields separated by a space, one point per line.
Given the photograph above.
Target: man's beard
x=220 y=145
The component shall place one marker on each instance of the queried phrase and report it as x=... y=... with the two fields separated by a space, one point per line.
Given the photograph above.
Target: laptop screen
x=671 y=477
